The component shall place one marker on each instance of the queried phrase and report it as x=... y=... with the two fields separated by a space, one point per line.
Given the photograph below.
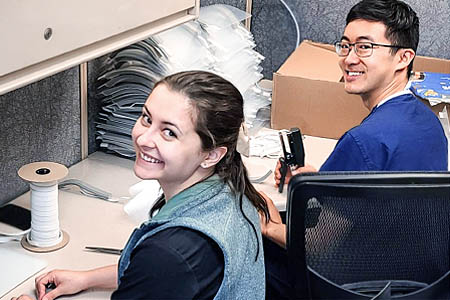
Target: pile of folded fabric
x=126 y=80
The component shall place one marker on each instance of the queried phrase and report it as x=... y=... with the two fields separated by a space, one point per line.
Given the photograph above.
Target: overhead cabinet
x=41 y=38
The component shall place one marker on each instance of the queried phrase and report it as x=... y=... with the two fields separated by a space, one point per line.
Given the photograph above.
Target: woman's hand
x=60 y=282
x=63 y=282
x=22 y=297
x=57 y=283
x=274 y=229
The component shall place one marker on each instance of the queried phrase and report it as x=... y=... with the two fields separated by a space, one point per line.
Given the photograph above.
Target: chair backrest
x=352 y=227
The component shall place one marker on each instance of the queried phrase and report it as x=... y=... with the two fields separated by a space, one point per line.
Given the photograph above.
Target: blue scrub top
x=402 y=134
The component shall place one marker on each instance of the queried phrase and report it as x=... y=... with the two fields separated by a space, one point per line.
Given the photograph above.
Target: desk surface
x=316 y=152
x=88 y=221
x=95 y=222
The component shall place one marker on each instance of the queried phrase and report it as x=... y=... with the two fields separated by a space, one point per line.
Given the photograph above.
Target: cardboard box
x=308 y=92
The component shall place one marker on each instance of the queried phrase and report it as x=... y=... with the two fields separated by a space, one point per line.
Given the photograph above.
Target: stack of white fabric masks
x=217 y=42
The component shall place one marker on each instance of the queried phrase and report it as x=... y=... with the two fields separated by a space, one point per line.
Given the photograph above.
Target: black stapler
x=293 y=152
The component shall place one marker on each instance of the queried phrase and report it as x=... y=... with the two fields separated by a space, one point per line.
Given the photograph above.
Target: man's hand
x=277 y=174
x=289 y=173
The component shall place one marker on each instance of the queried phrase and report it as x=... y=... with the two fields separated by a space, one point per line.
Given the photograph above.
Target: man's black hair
x=402 y=23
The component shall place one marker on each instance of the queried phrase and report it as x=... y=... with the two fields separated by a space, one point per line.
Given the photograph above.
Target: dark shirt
x=175 y=263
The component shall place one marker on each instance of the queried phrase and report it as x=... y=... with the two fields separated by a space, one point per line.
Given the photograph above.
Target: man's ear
x=405 y=56
x=214 y=156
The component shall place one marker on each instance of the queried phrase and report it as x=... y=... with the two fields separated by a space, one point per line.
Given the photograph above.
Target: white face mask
x=186 y=48
x=221 y=16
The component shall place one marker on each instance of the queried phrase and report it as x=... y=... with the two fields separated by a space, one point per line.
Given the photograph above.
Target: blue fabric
x=210 y=207
x=402 y=134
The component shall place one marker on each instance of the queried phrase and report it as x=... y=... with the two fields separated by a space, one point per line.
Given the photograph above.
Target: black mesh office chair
x=354 y=235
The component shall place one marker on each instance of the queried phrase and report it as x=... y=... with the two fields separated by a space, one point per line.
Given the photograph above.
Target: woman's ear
x=214 y=156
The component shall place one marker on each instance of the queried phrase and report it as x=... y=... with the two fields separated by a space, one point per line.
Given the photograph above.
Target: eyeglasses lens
x=361 y=49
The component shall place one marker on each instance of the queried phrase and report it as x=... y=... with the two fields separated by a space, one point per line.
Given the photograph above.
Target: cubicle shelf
x=41 y=38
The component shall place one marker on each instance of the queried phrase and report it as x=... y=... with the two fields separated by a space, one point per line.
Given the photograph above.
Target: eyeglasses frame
x=352 y=46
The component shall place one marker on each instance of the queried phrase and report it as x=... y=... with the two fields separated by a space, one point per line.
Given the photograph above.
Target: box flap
x=431 y=64
x=328 y=47
x=313 y=61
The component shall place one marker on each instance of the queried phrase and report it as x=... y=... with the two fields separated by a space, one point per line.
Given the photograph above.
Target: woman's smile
x=150 y=159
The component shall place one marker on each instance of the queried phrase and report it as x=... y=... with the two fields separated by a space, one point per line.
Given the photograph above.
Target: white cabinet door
x=41 y=38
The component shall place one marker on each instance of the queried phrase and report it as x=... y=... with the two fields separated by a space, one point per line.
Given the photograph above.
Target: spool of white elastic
x=45 y=234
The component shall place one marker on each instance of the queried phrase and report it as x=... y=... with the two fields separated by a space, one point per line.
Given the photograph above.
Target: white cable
x=45 y=230
x=15 y=236
x=295 y=21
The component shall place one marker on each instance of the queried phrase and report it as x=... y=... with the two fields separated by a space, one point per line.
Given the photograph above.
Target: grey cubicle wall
x=41 y=121
x=324 y=21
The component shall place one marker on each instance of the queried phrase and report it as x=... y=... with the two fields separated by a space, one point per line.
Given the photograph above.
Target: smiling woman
x=202 y=240
x=167 y=146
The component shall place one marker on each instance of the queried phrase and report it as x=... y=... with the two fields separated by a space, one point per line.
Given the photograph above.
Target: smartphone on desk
x=15 y=216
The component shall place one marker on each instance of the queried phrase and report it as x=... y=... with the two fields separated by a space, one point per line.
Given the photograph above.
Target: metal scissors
x=104 y=250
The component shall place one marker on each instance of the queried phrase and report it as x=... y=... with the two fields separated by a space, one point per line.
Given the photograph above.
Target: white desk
x=88 y=221
x=316 y=152
x=95 y=222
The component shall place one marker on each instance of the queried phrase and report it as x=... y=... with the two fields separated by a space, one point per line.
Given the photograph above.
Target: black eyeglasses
x=362 y=49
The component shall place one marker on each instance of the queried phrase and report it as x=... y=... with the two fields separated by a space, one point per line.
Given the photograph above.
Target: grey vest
x=211 y=208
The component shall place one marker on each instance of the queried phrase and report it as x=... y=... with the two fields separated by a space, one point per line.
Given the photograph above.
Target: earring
x=203 y=165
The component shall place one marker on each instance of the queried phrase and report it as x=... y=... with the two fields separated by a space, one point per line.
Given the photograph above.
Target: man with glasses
x=376 y=54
